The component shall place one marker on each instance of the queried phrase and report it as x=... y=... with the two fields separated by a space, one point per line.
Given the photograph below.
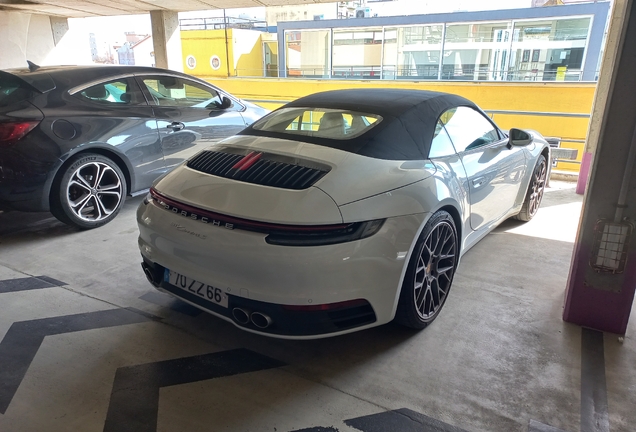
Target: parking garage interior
x=535 y=335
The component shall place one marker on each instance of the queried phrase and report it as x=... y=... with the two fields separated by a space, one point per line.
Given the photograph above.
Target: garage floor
x=88 y=345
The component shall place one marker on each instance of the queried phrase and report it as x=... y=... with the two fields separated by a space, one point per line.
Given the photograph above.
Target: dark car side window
x=117 y=92
x=441 y=145
x=177 y=92
x=468 y=129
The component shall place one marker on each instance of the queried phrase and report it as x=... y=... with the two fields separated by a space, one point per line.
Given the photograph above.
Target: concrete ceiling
x=88 y=8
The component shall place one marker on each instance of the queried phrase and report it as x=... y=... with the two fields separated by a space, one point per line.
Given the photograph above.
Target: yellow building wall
x=247 y=53
x=202 y=45
x=534 y=97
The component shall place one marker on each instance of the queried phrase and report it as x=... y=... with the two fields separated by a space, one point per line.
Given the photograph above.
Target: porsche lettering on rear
x=194 y=216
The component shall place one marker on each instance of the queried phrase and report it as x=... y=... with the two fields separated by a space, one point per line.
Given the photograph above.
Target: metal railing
x=221 y=23
x=428 y=73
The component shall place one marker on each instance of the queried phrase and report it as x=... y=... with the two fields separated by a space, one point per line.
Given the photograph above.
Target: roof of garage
x=87 y=8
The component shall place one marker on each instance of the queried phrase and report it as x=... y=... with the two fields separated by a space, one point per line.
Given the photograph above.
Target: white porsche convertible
x=339 y=211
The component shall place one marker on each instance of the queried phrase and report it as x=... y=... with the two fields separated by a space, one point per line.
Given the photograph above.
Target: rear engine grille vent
x=258 y=168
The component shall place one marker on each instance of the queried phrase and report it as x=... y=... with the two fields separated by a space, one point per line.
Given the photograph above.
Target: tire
x=536 y=188
x=425 y=287
x=89 y=192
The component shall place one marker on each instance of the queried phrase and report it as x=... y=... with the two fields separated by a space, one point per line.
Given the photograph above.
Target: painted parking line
x=403 y=420
x=172 y=303
x=318 y=429
x=23 y=339
x=28 y=283
x=134 y=401
x=536 y=426
x=594 y=407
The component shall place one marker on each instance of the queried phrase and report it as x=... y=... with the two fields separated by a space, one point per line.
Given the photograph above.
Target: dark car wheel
x=430 y=273
x=534 y=195
x=89 y=193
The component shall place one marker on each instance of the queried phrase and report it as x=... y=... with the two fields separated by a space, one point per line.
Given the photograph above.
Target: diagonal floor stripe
x=402 y=420
x=318 y=429
x=22 y=341
x=535 y=426
x=134 y=401
x=28 y=283
x=594 y=408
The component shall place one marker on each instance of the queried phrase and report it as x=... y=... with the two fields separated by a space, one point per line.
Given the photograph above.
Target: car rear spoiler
x=40 y=82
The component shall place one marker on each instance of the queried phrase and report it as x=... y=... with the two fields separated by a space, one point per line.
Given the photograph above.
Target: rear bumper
x=25 y=184
x=284 y=322
x=263 y=277
x=23 y=196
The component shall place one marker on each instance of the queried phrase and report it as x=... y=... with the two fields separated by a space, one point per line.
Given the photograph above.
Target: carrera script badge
x=183 y=229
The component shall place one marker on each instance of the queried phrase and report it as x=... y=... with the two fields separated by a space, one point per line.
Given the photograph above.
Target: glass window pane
x=114 y=92
x=318 y=122
x=468 y=128
x=441 y=145
x=307 y=53
x=172 y=91
x=549 y=50
x=477 y=51
x=357 y=53
x=419 y=50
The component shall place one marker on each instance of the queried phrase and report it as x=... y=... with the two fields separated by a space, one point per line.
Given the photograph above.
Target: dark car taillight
x=11 y=132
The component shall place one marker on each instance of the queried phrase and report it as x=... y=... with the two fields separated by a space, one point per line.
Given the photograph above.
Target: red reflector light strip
x=244 y=223
x=250 y=159
x=10 y=132
x=326 y=307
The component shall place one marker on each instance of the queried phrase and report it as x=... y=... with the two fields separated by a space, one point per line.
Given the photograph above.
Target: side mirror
x=519 y=137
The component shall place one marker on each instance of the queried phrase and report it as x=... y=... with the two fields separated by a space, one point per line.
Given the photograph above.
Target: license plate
x=200 y=289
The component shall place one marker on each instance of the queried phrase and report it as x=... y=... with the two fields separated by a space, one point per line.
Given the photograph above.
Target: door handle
x=478 y=182
x=176 y=126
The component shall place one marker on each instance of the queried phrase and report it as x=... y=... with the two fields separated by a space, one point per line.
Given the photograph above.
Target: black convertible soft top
x=405 y=133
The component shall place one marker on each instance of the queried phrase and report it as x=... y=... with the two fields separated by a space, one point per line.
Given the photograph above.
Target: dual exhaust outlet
x=242 y=316
x=259 y=319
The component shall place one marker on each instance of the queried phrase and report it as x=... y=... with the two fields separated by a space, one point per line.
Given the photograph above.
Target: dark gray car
x=77 y=140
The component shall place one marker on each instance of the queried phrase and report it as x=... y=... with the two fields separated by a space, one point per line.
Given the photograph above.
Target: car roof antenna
x=32 y=66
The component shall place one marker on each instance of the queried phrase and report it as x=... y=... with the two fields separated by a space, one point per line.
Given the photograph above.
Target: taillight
x=11 y=132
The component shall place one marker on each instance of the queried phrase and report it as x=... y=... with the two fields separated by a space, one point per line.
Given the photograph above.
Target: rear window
x=318 y=122
x=12 y=90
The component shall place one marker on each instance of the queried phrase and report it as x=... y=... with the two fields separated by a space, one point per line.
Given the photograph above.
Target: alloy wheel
x=434 y=271
x=538 y=187
x=94 y=191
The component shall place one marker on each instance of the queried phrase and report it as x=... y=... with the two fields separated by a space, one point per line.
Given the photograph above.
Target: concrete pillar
x=603 y=89
x=595 y=297
x=31 y=37
x=59 y=27
x=166 y=38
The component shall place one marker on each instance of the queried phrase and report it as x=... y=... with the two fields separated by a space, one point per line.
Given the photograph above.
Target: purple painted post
x=584 y=174
x=589 y=302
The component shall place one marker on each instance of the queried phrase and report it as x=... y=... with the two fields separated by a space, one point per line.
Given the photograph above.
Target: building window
x=357 y=53
x=307 y=53
x=476 y=51
x=555 y=44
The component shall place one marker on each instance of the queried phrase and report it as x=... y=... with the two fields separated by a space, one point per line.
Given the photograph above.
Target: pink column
x=584 y=174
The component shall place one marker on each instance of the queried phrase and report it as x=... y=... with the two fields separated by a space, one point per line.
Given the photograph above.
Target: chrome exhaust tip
x=149 y=275
x=260 y=320
x=241 y=315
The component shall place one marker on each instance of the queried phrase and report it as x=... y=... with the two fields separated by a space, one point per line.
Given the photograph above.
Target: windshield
x=12 y=90
x=318 y=122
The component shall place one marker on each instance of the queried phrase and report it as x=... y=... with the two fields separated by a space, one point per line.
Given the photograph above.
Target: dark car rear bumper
x=25 y=186
x=284 y=322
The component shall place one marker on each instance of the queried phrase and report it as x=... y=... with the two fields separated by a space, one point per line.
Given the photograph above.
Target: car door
x=494 y=169
x=189 y=115
x=116 y=113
